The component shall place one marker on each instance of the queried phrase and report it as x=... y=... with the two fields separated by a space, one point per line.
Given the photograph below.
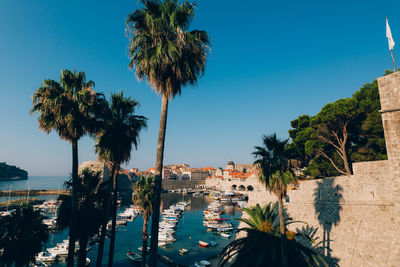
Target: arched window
x=250 y=188
x=234 y=187
x=242 y=188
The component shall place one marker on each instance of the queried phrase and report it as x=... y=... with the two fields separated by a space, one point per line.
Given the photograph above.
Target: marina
x=183 y=238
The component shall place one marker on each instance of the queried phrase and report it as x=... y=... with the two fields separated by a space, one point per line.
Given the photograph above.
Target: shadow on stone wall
x=327 y=204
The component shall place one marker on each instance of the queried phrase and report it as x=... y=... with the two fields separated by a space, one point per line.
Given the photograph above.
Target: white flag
x=389 y=36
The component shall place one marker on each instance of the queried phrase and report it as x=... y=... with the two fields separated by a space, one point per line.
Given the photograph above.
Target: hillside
x=8 y=172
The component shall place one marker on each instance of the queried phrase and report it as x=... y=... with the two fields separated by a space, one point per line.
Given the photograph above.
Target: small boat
x=121 y=222
x=225 y=235
x=134 y=257
x=203 y=244
x=46 y=256
x=39 y=263
x=61 y=249
x=87 y=262
x=165 y=259
x=202 y=263
x=213 y=244
x=183 y=251
x=141 y=249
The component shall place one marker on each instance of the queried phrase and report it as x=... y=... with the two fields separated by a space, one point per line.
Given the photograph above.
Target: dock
x=34 y=192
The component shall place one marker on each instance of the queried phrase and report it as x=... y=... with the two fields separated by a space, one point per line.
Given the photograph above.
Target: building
x=240 y=167
x=194 y=174
x=96 y=166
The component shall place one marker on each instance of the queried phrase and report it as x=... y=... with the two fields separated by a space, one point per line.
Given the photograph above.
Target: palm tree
x=261 y=248
x=67 y=107
x=119 y=130
x=23 y=235
x=91 y=194
x=275 y=171
x=168 y=56
x=262 y=219
x=143 y=197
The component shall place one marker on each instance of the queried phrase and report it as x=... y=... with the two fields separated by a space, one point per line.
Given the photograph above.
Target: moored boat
x=183 y=251
x=203 y=244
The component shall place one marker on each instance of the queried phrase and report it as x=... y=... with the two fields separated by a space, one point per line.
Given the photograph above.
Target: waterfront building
x=96 y=165
x=194 y=174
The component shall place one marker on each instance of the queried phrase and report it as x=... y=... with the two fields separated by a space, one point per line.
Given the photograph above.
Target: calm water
x=190 y=227
x=189 y=231
x=35 y=182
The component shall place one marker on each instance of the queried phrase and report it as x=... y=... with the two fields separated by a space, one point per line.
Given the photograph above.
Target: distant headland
x=8 y=172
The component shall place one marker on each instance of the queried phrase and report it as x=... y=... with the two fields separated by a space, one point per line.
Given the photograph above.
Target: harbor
x=193 y=228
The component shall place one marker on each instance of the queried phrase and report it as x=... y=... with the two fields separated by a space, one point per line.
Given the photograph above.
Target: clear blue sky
x=271 y=62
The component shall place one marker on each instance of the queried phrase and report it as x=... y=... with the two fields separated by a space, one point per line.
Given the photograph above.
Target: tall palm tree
x=119 y=131
x=143 y=197
x=168 y=56
x=67 y=107
x=91 y=194
x=23 y=235
x=275 y=171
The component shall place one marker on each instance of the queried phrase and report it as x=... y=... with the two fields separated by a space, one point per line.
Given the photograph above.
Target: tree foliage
x=91 y=194
x=143 y=197
x=22 y=236
x=345 y=131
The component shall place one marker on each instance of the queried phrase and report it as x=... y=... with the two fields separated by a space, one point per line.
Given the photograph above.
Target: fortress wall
x=363 y=227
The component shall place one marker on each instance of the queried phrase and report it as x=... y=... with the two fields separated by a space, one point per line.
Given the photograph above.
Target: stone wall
x=181 y=184
x=361 y=224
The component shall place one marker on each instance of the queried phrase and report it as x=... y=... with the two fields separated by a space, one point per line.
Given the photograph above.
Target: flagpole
x=394 y=66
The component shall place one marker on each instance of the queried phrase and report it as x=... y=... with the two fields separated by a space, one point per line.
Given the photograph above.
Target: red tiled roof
x=207 y=168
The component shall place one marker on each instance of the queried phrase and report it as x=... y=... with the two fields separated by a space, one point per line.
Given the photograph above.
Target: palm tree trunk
x=283 y=232
x=82 y=251
x=144 y=246
x=157 y=185
x=114 y=216
x=99 y=259
x=74 y=203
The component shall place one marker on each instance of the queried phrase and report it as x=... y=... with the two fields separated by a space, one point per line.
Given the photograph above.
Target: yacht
x=47 y=257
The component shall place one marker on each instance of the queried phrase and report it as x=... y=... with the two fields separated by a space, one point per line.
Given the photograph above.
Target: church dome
x=230 y=165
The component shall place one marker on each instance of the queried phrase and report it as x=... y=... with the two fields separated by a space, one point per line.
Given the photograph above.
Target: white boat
x=39 y=263
x=51 y=223
x=87 y=262
x=225 y=235
x=225 y=229
x=204 y=263
x=128 y=214
x=141 y=249
x=46 y=256
x=61 y=249
x=167 y=231
x=183 y=251
x=167 y=226
x=166 y=238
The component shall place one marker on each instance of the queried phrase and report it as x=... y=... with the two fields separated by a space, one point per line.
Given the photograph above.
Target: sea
x=190 y=229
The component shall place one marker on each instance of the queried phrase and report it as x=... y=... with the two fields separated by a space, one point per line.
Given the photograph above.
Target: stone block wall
x=181 y=184
x=360 y=228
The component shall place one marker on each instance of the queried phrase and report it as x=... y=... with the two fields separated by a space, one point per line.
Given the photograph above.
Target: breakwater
x=181 y=184
x=33 y=192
